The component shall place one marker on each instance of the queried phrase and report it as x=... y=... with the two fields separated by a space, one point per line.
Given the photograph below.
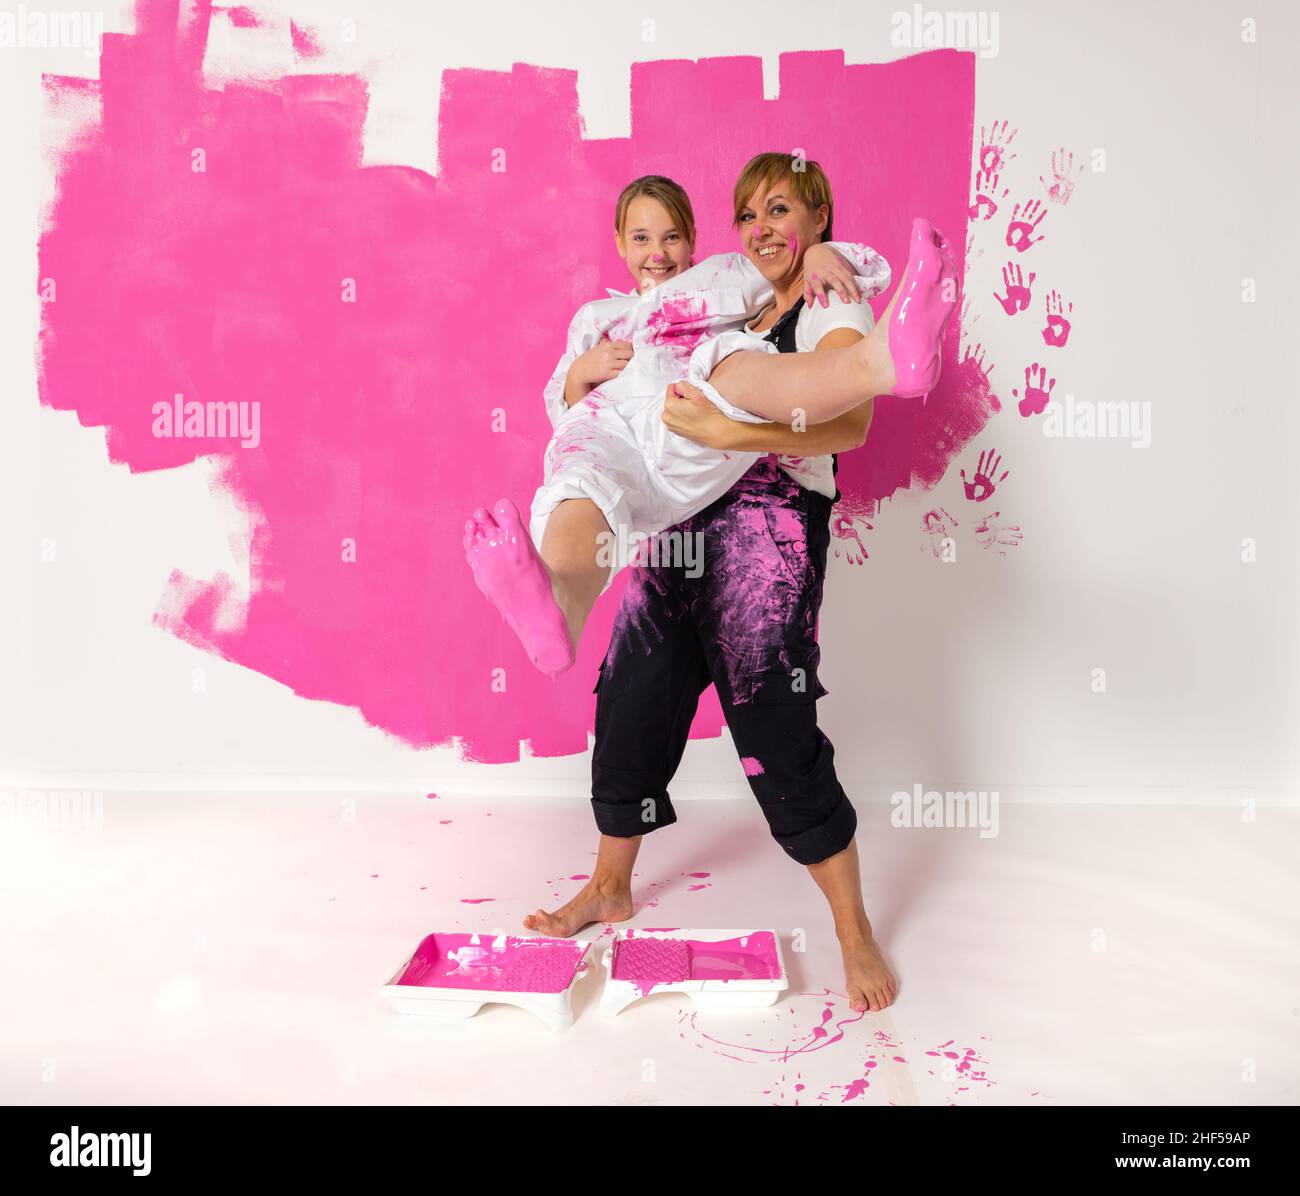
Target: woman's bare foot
x=902 y=352
x=870 y=983
x=516 y=581
x=597 y=902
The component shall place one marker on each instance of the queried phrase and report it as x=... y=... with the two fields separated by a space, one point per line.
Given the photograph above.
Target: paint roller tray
x=720 y=969
x=456 y=974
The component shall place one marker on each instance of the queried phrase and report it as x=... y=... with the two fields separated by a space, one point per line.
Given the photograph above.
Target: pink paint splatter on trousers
x=273 y=268
x=752 y=766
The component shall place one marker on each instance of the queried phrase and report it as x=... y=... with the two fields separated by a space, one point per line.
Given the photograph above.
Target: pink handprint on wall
x=1057 y=329
x=976 y=358
x=983 y=484
x=1017 y=296
x=1025 y=219
x=993 y=147
x=985 y=204
x=1038 y=389
x=849 y=527
x=938 y=525
x=1061 y=187
x=990 y=534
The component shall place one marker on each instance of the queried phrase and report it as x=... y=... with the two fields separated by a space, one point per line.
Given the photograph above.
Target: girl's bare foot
x=902 y=352
x=597 y=902
x=870 y=983
x=516 y=581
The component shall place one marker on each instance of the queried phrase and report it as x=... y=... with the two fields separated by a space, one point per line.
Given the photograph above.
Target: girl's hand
x=826 y=269
x=688 y=413
x=607 y=360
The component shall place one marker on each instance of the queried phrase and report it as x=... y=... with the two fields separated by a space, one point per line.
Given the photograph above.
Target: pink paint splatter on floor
x=475 y=900
x=226 y=244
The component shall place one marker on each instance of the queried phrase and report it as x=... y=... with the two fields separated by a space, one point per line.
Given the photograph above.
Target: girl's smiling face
x=651 y=243
x=776 y=227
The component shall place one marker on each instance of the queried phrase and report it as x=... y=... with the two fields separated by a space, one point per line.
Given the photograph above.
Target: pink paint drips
x=504 y=964
x=226 y=244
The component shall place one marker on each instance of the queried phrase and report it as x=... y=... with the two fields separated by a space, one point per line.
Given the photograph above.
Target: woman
x=748 y=622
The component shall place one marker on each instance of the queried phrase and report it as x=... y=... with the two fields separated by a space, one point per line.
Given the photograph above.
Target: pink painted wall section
x=352 y=305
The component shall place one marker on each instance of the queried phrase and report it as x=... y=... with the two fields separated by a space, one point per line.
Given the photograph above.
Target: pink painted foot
x=926 y=298
x=515 y=580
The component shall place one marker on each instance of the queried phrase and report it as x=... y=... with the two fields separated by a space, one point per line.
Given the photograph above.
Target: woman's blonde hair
x=806 y=179
x=672 y=195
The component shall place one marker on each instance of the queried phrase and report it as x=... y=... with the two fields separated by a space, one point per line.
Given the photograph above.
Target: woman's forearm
x=839 y=435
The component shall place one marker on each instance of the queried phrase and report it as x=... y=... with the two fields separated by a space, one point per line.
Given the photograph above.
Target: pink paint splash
x=475 y=900
x=752 y=765
x=503 y=964
x=225 y=243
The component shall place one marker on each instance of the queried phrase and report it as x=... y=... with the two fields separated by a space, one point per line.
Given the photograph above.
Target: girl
x=614 y=472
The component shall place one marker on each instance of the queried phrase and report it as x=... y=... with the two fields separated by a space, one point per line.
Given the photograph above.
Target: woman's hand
x=826 y=269
x=688 y=413
x=607 y=360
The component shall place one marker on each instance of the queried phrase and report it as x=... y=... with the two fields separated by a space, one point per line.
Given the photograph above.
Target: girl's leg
x=606 y=897
x=545 y=597
x=899 y=356
x=871 y=985
x=569 y=550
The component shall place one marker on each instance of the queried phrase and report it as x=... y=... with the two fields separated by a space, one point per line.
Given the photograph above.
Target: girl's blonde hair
x=806 y=178
x=672 y=195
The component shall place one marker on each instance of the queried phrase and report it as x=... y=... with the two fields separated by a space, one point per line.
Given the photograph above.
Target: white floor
x=230 y=948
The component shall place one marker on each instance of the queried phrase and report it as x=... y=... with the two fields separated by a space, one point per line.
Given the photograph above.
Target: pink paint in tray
x=718 y=968
x=456 y=974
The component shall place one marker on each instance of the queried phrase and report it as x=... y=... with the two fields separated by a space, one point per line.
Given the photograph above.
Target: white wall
x=1131 y=559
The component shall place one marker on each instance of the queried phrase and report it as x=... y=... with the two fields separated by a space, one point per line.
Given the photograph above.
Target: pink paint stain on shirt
x=225 y=243
x=680 y=324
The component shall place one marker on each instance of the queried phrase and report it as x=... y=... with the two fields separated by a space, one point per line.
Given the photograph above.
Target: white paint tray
x=456 y=973
x=686 y=963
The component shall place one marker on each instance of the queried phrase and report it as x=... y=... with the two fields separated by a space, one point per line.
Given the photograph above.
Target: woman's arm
x=692 y=415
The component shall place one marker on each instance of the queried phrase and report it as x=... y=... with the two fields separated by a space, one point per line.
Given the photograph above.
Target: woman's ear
x=823 y=218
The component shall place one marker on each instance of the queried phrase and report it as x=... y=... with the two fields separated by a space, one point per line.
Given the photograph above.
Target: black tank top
x=781 y=334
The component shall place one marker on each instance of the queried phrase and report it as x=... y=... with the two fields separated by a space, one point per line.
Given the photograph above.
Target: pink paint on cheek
x=752 y=766
x=276 y=269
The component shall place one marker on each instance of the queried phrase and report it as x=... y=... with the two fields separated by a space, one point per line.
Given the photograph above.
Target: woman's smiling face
x=651 y=243
x=776 y=227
